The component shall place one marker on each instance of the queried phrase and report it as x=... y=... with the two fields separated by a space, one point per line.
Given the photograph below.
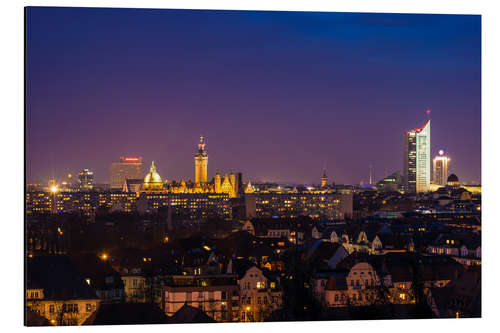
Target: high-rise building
x=86 y=179
x=201 y=163
x=440 y=168
x=126 y=168
x=417 y=160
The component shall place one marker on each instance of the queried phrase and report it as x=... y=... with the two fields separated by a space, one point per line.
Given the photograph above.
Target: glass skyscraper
x=417 y=159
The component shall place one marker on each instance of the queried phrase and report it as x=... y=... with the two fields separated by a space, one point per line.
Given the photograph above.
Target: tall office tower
x=417 y=160
x=86 y=180
x=201 y=163
x=440 y=168
x=126 y=168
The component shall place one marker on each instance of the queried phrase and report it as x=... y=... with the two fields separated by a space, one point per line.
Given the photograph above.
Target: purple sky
x=278 y=95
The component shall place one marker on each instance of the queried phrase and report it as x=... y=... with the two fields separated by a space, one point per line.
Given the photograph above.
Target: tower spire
x=324 y=178
x=200 y=162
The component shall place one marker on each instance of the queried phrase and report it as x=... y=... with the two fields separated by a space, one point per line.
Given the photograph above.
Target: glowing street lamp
x=104 y=256
x=53 y=189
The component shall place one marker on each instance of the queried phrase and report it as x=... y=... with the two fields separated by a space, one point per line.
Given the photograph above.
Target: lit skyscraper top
x=440 y=168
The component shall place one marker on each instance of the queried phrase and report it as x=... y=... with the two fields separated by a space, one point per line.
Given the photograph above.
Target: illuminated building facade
x=126 y=168
x=231 y=184
x=216 y=295
x=201 y=163
x=392 y=182
x=190 y=206
x=440 y=169
x=86 y=180
x=417 y=173
x=85 y=202
x=314 y=205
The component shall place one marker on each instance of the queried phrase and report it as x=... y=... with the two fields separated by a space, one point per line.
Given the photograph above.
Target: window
x=336 y=297
x=223 y=295
x=51 y=308
x=265 y=300
x=259 y=300
x=88 y=307
x=69 y=308
x=134 y=282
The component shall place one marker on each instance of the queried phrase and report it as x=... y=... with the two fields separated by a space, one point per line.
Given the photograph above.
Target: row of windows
x=70 y=308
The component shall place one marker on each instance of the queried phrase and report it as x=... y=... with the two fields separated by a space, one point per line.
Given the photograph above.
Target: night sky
x=278 y=95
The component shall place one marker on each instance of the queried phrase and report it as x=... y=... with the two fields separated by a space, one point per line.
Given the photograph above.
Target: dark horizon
x=278 y=95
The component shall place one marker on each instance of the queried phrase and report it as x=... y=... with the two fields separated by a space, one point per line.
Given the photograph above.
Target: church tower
x=201 y=163
x=324 y=179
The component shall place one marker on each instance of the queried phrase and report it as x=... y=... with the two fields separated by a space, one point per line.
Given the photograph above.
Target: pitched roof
x=321 y=250
x=98 y=271
x=241 y=266
x=127 y=314
x=189 y=315
x=58 y=277
x=34 y=319
x=336 y=283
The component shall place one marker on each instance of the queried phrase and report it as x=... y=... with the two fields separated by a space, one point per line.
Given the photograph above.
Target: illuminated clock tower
x=201 y=163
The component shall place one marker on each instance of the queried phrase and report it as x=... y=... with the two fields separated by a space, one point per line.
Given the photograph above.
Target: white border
x=12 y=80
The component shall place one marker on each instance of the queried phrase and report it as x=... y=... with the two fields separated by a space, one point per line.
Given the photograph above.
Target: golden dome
x=153 y=178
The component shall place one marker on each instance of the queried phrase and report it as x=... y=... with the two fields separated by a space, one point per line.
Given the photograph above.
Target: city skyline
x=325 y=95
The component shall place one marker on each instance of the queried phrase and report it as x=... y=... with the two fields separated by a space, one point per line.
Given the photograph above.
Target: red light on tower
x=428 y=112
x=130 y=159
